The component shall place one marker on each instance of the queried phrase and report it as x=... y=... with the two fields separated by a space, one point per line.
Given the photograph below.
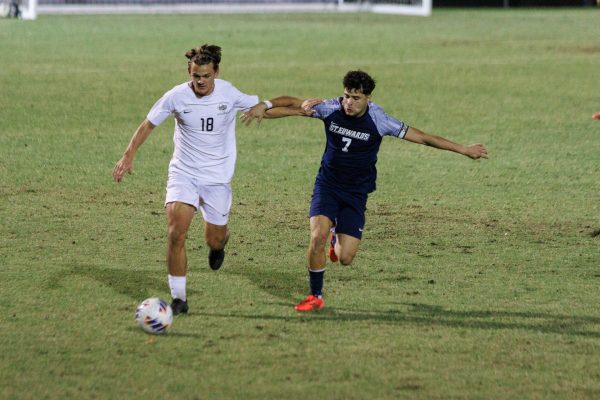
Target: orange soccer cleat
x=310 y=303
x=332 y=256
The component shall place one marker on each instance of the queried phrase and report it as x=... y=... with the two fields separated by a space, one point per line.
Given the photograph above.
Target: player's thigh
x=179 y=218
x=348 y=246
x=216 y=235
x=215 y=204
x=324 y=203
x=319 y=229
x=183 y=189
x=351 y=217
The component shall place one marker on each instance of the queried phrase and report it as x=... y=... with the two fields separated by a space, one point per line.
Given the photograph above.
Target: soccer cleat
x=332 y=256
x=215 y=258
x=179 y=306
x=310 y=303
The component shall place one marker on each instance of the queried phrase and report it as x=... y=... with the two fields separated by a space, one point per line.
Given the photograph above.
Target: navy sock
x=316 y=282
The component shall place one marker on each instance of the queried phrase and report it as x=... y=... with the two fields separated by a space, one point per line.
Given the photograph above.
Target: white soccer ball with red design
x=154 y=315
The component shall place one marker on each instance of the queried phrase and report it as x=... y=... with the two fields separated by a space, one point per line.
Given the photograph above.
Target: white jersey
x=204 y=129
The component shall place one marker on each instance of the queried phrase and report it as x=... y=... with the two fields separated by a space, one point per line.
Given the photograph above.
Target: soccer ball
x=154 y=315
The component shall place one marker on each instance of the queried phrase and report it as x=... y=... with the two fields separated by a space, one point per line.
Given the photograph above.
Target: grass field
x=475 y=280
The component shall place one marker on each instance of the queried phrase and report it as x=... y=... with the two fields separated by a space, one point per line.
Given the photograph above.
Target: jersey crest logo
x=222 y=107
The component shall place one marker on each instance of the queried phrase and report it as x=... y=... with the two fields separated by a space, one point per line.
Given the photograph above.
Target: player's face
x=355 y=102
x=203 y=78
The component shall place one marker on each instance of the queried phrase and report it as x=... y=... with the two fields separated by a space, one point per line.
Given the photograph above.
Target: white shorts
x=214 y=201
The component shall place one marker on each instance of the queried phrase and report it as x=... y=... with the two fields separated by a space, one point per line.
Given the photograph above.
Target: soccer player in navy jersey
x=354 y=128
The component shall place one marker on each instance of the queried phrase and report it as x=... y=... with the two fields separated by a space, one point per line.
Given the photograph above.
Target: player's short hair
x=359 y=81
x=205 y=54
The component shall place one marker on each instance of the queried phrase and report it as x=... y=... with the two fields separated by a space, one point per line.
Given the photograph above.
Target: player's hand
x=476 y=151
x=124 y=165
x=257 y=112
x=596 y=116
x=308 y=104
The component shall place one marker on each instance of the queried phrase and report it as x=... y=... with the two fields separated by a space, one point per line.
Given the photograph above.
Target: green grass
x=475 y=280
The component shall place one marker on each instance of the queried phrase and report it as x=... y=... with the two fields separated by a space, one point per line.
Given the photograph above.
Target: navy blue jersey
x=352 y=145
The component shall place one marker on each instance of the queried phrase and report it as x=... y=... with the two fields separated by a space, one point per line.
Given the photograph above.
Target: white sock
x=177 y=286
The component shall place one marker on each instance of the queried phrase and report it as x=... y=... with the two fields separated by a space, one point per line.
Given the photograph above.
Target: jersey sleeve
x=161 y=109
x=386 y=124
x=242 y=101
x=326 y=108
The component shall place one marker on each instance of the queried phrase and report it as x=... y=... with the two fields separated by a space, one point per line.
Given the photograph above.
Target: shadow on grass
x=430 y=316
x=171 y=334
x=137 y=284
x=283 y=284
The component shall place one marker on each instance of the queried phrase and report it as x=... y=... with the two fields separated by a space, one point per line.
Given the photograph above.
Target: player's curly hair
x=359 y=81
x=204 y=54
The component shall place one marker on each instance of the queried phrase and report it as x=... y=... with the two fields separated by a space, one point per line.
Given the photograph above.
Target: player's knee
x=318 y=239
x=346 y=259
x=176 y=236
x=217 y=240
x=346 y=255
x=214 y=243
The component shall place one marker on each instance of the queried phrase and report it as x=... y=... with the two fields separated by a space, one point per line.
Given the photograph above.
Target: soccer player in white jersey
x=203 y=161
x=354 y=129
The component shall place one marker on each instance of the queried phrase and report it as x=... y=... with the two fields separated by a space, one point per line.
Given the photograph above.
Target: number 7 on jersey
x=347 y=141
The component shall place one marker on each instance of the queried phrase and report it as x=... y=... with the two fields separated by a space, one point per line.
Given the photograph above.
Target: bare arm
x=596 y=116
x=280 y=112
x=125 y=164
x=304 y=110
x=475 y=151
x=283 y=106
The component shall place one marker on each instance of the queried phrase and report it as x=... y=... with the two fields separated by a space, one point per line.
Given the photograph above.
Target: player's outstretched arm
x=305 y=109
x=279 y=107
x=280 y=112
x=125 y=164
x=596 y=116
x=475 y=151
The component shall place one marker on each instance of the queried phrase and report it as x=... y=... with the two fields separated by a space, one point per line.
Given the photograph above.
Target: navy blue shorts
x=346 y=210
